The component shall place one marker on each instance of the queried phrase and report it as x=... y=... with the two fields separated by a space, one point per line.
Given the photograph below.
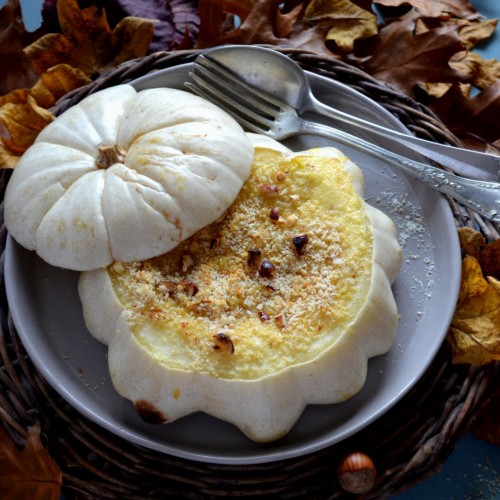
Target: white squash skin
x=78 y=216
x=101 y=307
x=267 y=408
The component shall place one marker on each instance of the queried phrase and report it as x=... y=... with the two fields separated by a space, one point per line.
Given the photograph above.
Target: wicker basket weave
x=406 y=446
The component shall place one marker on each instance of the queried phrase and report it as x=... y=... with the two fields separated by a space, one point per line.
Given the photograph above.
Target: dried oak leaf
x=17 y=70
x=463 y=114
x=244 y=22
x=471 y=67
x=186 y=20
x=435 y=8
x=30 y=473
x=346 y=21
x=260 y=22
x=473 y=243
x=475 y=328
x=176 y=21
x=22 y=121
x=87 y=42
x=403 y=59
x=212 y=19
x=24 y=113
x=436 y=90
x=471 y=32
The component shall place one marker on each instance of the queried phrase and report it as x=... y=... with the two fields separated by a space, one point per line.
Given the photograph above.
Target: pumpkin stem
x=109 y=155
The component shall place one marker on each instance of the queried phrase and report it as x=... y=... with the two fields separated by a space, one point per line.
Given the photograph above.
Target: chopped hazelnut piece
x=187 y=262
x=189 y=287
x=171 y=286
x=223 y=343
x=269 y=189
x=299 y=242
x=291 y=220
x=267 y=269
x=274 y=214
x=254 y=255
x=281 y=320
x=264 y=316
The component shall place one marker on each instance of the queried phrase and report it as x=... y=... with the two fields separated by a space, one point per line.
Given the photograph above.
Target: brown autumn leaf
x=285 y=22
x=436 y=90
x=469 y=66
x=30 y=473
x=17 y=69
x=490 y=259
x=23 y=122
x=345 y=20
x=57 y=82
x=470 y=117
x=473 y=68
x=212 y=18
x=473 y=243
x=24 y=113
x=435 y=8
x=403 y=59
x=475 y=328
x=87 y=42
x=260 y=22
x=471 y=32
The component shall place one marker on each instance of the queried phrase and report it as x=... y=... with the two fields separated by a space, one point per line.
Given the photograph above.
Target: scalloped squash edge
x=267 y=408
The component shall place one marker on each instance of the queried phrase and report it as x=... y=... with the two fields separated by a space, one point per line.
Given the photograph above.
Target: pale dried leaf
x=473 y=68
x=346 y=21
x=475 y=328
x=435 y=8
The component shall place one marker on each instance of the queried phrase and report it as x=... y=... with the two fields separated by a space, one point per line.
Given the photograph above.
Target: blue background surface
x=473 y=469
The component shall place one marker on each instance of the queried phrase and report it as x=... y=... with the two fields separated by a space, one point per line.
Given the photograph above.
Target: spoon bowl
x=282 y=78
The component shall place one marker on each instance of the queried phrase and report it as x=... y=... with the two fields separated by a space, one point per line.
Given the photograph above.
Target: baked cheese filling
x=273 y=284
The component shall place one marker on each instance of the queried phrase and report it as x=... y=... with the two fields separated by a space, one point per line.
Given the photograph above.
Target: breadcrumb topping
x=272 y=284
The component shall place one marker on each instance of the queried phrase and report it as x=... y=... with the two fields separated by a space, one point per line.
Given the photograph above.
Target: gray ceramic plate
x=47 y=313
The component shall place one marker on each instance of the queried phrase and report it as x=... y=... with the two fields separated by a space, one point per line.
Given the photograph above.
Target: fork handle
x=481 y=196
x=466 y=162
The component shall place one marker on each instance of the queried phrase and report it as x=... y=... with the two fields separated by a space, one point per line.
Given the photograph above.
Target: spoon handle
x=481 y=196
x=466 y=162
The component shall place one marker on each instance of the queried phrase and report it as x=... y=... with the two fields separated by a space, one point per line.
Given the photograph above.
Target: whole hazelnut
x=357 y=473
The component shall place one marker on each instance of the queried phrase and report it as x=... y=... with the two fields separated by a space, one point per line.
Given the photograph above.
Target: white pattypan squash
x=125 y=175
x=277 y=306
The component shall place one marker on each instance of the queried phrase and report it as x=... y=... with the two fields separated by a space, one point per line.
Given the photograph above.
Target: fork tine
x=258 y=98
x=249 y=120
x=233 y=94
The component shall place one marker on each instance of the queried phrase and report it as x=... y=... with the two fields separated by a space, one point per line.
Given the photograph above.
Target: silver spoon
x=284 y=79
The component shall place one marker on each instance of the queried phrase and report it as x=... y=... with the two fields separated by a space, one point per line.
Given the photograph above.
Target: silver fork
x=261 y=113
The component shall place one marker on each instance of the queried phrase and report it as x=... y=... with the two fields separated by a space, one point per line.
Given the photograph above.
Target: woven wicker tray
x=406 y=445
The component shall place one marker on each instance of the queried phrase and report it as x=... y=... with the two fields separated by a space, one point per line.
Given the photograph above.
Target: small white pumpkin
x=250 y=343
x=125 y=175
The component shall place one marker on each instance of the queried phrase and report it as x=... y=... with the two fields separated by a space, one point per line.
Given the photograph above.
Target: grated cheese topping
x=273 y=284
